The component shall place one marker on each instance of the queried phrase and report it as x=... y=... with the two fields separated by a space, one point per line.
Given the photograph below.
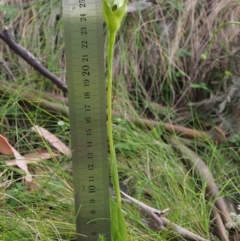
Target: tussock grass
x=164 y=45
x=157 y=58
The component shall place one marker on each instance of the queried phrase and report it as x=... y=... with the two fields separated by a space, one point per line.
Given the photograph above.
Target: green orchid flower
x=113 y=13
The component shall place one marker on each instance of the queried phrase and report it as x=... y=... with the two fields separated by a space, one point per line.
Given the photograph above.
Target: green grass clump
x=154 y=58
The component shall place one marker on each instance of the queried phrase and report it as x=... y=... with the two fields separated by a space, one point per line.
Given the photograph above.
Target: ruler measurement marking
x=84 y=54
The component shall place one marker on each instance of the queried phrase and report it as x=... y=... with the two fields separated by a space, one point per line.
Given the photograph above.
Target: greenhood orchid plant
x=113 y=13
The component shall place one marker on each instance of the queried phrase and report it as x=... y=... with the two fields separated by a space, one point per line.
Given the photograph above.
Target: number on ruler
x=90 y=155
x=86 y=82
x=87 y=108
x=90 y=167
x=85 y=58
x=86 y=95
x=89 y=144
x=83 y=31
x=82 y=4
x=91 y=179
x=88 y=120
x=85 y=70
x=83 y=18
x=84 y=44
x=89 y=132
x=91 y=189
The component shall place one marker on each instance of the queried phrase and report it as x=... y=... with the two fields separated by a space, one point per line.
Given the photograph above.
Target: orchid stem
x=111 y=39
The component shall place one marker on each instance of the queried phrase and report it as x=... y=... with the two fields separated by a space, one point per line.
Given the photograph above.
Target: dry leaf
x=38 y=155
x=53 y=140
x=139 y=5
x=6 y=148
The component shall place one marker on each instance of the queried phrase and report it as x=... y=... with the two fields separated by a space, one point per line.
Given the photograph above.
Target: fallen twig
x=221 y=231
x=46 y=102
x=180 y=130
x=161 y=221
x=155 y=214
x=30 y=59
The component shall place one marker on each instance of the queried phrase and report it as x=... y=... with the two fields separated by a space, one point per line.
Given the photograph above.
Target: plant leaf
x=53 y=140
x=119 y=228
x=6 y=148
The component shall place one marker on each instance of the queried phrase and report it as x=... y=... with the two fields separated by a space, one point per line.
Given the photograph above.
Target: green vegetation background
x=157 y=73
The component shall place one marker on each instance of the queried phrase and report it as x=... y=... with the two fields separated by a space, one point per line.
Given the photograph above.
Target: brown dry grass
x=158 y=50
x=163 y=47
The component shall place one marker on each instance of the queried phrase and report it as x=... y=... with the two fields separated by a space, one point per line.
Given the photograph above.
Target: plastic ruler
x=84 y=47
